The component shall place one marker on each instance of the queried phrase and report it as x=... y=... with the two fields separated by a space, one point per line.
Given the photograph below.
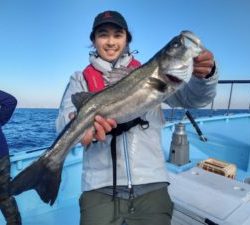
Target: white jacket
x=140 y=158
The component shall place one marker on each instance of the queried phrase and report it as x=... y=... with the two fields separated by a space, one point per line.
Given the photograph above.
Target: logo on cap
x=107 y=15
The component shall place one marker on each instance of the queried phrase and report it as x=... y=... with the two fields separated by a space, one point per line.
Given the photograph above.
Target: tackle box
x=218 y=167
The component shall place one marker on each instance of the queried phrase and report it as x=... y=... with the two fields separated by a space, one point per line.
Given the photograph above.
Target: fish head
x=175 y=60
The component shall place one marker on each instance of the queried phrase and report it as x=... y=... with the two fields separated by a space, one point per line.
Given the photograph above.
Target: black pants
x=8 y=204
x=153 y=208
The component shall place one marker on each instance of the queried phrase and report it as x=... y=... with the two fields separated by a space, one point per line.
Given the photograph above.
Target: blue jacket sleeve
x=7 y=106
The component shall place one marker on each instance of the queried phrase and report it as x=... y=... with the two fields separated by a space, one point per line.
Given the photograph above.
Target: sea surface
x=32 y=129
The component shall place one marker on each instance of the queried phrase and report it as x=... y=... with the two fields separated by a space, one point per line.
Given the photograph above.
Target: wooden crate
x=219 y=167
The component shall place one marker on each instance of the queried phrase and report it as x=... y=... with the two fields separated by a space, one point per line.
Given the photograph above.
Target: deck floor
x=227 y=140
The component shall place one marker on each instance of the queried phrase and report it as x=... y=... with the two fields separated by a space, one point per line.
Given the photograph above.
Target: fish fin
x=78 y=99
x=157 y=84
x=48 y=187
x=40 y=177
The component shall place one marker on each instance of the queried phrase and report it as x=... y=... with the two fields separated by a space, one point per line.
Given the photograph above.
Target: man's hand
x=203 y=64
x=98 y=131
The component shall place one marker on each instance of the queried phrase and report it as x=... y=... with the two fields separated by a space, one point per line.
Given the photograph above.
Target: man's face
x=110 y=41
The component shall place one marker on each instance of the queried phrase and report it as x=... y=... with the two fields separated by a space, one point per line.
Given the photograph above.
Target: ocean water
x=32 y=129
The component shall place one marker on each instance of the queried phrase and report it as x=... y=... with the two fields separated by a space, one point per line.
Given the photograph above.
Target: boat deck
x=228 y=140
x=199 y=196
x=65 y=215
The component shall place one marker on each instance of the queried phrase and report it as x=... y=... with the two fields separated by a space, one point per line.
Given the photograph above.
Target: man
x=141 y=195
x=8 y=204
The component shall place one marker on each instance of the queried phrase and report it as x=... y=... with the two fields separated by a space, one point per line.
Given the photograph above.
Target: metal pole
x=230 y=98
x=212 y=108
x=212 y=105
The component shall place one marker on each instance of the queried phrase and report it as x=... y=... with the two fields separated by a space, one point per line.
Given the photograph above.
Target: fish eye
x=176 y=43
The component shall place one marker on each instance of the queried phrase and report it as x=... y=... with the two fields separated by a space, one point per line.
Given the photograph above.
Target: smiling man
x=126 y=180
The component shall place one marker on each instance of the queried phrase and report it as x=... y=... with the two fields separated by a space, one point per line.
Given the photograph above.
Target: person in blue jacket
x=8 y=203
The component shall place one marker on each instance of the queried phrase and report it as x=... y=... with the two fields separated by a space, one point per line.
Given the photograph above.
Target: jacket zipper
x=127 y=164
x=131 y=208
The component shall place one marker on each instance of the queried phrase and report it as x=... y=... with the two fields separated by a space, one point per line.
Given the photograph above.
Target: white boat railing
x=228 y=107
x=231 y=83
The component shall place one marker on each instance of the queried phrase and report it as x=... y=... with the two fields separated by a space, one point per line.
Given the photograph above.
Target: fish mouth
x=191 y=39
x=173 y=79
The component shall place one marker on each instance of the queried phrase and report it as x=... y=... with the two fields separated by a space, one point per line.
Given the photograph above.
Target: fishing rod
x=195 y=125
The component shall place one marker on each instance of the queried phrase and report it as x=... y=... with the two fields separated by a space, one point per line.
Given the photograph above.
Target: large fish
x=129 y=98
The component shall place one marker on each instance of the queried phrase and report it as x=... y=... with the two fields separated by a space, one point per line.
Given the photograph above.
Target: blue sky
x=43 y=42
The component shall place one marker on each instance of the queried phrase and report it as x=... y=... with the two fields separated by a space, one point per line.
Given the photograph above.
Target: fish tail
x=41 y=177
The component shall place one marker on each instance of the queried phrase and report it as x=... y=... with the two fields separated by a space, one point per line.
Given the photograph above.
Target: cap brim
x=110 y=21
